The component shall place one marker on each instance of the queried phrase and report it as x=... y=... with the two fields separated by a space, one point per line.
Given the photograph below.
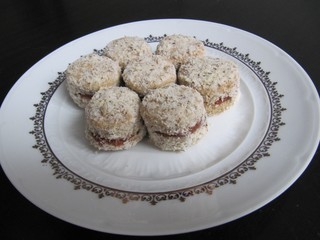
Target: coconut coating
x=113 y=115
x=177 y=48
x=173 y=116
x=149 y=73
x=88 y=74
x=126 y=49
x=216 y=79
x=174 y=143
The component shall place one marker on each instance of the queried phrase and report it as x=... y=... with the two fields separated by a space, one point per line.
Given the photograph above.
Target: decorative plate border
x=62 y=172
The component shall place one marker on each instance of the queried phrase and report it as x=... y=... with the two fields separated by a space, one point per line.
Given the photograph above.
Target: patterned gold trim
x=62 y=172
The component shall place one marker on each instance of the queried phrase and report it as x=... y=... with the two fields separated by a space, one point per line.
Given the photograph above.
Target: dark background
x=29 y=30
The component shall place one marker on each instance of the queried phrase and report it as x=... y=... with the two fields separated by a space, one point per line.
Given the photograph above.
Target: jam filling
x=114 y=142
x=222 y=100
x=190 y=131
x=85 y=96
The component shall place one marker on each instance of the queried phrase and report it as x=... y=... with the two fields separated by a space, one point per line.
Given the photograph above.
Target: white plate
x=252 y=153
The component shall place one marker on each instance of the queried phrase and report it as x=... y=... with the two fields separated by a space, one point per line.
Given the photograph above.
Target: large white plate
x=252 y=153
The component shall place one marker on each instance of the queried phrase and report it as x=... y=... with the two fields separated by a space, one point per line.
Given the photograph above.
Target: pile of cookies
x=129 y=92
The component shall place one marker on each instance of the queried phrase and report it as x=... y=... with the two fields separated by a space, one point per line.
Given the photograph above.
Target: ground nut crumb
x=177 y=48
x=217 y=80
x=113 y=119
x=88 y=74
x=149 y=73
x=126 y=49
x=174 y=116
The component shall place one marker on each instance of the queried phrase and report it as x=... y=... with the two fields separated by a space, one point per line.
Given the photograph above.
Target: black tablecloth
x=32 y=29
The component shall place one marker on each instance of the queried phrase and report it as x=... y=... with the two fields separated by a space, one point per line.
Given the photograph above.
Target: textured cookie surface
x=88 y=74
x=216 y=79
x=174 y=116
x=126 y=49
x=177 y=48
x=149 y=73
x=113 y=119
